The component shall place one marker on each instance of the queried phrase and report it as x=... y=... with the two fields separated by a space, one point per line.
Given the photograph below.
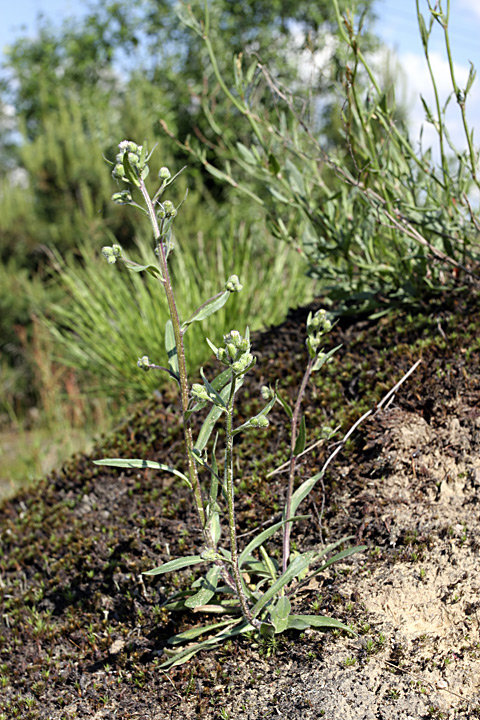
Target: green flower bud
x=318 y=322
x=233 y=284
x=117 y=250
x=266 y=392
x=164 y=173
x=133 y=159
x=235 y=337
x=109 y=254
x=118 y=172
x=222 y=356
x=144 y=363
x=242 y=364
x=260 y=422
x=124 y=197
x=232 y=350
x=169 y=209
x=127 y=146
x=199 y=392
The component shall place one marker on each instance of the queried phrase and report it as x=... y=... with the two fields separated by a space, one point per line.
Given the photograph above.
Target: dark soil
x=83 y=633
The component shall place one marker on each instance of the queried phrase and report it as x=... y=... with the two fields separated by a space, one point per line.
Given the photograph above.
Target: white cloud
x=472 y=5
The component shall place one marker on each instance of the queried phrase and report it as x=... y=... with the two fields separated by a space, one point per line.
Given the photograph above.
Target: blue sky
x=397 y=25
x=397 y=22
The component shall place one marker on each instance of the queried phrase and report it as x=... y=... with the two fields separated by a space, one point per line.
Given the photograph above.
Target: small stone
x=117 y=646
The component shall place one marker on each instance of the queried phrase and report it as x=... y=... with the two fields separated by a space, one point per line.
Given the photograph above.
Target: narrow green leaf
x=301 y=622
x=246 y=154
x=197 y=632
x=207 y=590
x=295 y=177
x=216 y=173
x=471 y=78
x=301 y=438
x=302 y=492
x=251 y=72
x=177 y=564
x=285 y=406
x=264 y=535
x=215 y=527
x=298 y=565
x=273 y=164
x=263 y=412
x=214 y=396
x=214 y=414
x=126 y=463
x=184 y=655
x=268 y=564
x=340 y=556
x=207 y=309
x=280 y=613
x=136 y=267
x=423 y=30
x=328 y=548
x=129 y=172
x=278 y=195
x=322 y=359
x=171 y=348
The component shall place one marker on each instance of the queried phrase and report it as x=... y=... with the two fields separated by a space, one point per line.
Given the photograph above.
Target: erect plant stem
x=293 y=460
x=182 y=365
x=231 y=509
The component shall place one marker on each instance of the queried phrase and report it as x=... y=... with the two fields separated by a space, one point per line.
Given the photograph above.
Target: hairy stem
x=293 y=459
x=182 y=365
x=230 y=487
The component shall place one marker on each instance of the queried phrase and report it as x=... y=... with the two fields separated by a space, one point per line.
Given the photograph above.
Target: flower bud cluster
x=199 y=392
x=266 y=392
x=144 y=363
x=233 y=284
x=167 y=210
x=317 y=326
x=236 y=353
x=259 y=422
x=134 y=153
x=124 y=197
x=112 y=253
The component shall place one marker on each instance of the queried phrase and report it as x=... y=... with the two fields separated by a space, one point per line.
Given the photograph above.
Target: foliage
x=261 y=603
x=373 y=216
x=119 y=71
x=102 y=328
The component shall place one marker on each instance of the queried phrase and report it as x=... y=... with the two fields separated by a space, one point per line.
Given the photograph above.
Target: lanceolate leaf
x=184 y=655
x=302 y=491
x=214 y=396
x=322 y=359
x=298 y=564
x=260 y=539
x=121 y=462
x=340 y=556
x=302 y=622
x=207 y=590
x=197 y=632
x=208 y=308
x=171 y=348
x=177 y=564
x=214 y=414
x=285 y=405
x=135 y=267
x=279 y=615
x=301 y=438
